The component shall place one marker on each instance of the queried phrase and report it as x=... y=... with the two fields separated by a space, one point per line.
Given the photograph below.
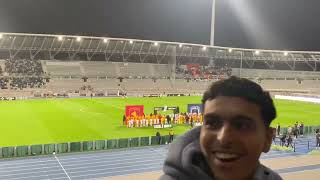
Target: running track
x=92 y=165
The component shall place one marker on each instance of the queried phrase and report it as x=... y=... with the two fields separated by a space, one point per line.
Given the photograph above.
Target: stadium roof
x=55 y=44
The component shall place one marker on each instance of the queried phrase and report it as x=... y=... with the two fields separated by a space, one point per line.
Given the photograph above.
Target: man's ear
x=269 y=135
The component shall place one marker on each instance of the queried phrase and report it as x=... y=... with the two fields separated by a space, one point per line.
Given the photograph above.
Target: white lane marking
x=114 y=158
x=62 y=167
x=84 y=165
x=105 y=173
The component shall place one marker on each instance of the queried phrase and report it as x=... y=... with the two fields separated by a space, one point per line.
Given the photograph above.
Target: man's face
x=233 y=137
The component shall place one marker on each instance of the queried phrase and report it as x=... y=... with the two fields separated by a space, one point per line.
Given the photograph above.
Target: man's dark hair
x=243 y=88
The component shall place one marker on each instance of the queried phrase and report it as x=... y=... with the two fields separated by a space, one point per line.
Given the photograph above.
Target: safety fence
x=306 y=130
x=301 y=142
x=47 y=149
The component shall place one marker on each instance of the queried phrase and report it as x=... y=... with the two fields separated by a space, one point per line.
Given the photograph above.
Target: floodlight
x=204 y=48
x=180 y=45
x=230 y=50
x=130 y=41
x=257 y=52
x=78 y=39
x=1 y=36
x=156 y=43
x=60 y=38
x=285 y=53
x=105 y=40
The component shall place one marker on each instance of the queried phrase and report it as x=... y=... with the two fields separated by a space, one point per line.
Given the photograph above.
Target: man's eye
x=243 y=124
x=213 y=123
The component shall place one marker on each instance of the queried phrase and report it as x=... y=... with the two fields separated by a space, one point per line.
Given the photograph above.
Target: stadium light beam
x=131 y=42
x=230 y=50
x=78 y=39
x=156 y=43
x=105 y=40
x=257 y=52
x=285 y=53
x=180 y=45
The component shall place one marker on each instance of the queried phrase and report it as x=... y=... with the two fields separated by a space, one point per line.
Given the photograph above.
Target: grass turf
x=43 y=121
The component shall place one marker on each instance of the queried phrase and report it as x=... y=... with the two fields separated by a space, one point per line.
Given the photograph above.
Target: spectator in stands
x=318 y=138
x=4 y=83
x=236 y=130
x=124 y=118
x=301 y=127
x=283 y=139
x=171 y=134
x=278 y=129
x=295 y=131
x=158 y=135
x=290 y=130
x=274 y=135
x=289 y=140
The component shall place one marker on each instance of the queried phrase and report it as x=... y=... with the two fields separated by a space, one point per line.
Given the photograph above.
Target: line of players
x=153 y=119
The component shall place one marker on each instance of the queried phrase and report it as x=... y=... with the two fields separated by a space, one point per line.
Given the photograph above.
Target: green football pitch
x=27 y=122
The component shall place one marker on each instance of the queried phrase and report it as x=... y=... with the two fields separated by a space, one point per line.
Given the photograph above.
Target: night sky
x=268 y=24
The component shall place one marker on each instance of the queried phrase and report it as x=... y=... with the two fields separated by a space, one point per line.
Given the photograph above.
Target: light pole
x=240 y=73
x=213 y=18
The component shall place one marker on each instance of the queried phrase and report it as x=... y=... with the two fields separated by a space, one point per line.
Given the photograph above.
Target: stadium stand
x=101 y=69
x=142 y=77
x=60 y=68
x=45 y=63
x=57 y=85
x=26 y=82
x=23 y=67
x=268 y=73
x=21 y=73
x=160 y=71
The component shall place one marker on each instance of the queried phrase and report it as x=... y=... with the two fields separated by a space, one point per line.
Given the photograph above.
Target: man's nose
x=225 y=134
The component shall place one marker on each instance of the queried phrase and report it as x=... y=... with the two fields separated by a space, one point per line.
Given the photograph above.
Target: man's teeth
x=226 y=156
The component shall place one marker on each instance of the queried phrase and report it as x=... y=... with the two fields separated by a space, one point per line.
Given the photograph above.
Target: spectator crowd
x=205 y=72
x=24 y=66
x=21 y=74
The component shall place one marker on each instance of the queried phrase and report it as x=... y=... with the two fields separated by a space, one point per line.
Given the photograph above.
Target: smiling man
x=236 y=130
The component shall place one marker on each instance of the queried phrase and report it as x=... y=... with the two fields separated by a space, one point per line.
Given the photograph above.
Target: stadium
x=67 y=95
x=79 y=102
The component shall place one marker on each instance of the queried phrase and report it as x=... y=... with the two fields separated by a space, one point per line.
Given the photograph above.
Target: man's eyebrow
x=242 y=117
x=211 y=115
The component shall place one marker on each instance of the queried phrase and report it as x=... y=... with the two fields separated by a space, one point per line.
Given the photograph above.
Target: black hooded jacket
x=185 y=161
